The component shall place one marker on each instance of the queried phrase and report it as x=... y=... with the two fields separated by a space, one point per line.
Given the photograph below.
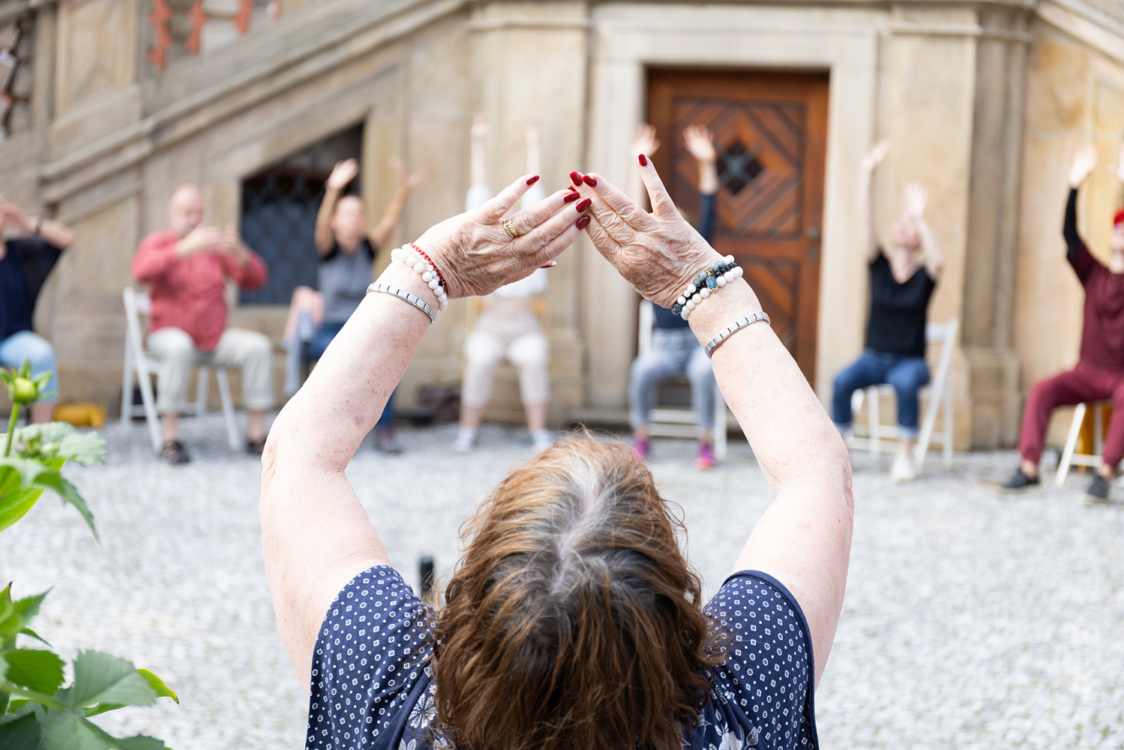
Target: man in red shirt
x=1099 y=374
x=186 y=268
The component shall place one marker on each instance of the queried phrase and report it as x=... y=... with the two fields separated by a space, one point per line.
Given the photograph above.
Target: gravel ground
x=971 y=620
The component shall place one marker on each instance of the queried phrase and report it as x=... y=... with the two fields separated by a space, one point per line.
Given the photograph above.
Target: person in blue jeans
x=901 y=286
x=25 y=263
x=346 y=249
x=675 y=351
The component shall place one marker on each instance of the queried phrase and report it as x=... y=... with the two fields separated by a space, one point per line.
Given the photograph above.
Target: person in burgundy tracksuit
x=1099 y=374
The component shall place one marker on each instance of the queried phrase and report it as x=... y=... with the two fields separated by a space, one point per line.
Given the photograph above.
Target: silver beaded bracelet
x=405 y=296
x=733 y=328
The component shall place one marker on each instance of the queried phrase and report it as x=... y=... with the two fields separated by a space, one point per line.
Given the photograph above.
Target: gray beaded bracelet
x=733 y=328
x=405 y=296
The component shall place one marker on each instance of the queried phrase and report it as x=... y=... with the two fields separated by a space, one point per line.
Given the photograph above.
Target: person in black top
x=25 y=263
x=674 y=348
x=900 y=288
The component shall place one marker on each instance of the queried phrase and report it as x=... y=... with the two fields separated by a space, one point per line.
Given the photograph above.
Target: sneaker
x=542 y=439
x=387 y=442
x=174 y=453
x=1020 y=481
x=1097 y=494
x=466 y=439
x=642 y=447
x=706 y=457
x=903 y=469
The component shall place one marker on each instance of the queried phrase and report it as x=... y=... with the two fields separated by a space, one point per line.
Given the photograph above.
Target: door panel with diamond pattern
x=770 y=134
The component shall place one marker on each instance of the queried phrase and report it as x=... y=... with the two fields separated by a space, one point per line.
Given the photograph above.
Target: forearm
x=323 y=232
x=478 y=171
x=56 y=233
x=708 y=177
x=1069 y=228
x=867 y=214
x=931 y=248
x=382 y=232
x=792 y=437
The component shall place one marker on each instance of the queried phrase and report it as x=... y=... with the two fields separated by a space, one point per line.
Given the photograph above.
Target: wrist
x=408 y=280
x=733 y=301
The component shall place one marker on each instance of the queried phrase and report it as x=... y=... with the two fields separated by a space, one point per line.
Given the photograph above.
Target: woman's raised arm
x=804 y=537
x=316 y=534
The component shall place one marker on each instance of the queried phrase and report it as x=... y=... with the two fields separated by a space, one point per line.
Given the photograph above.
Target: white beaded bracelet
x=425 y=270
x=696 y=292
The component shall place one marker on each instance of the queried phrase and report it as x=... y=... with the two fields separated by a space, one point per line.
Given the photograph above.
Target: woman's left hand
x=476 y=255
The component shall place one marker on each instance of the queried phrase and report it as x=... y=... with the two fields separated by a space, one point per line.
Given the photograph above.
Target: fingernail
x=577 y=178
x=643 y=160
x=571 y=197
x=583 y=222
x=551 y=264
x=584 y=205
x=571 y=187
x=532 y=180
x=589 y=181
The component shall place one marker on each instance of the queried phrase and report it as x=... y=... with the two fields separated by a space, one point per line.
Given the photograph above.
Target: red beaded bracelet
x=436 y=270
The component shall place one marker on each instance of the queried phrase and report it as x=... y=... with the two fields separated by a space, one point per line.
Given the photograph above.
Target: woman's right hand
x=1084 y=161
x=876 y=155
x=659 y=253
x=476 y=256
x=343 y=173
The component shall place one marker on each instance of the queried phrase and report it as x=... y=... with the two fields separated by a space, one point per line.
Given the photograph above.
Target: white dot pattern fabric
x=372 y=686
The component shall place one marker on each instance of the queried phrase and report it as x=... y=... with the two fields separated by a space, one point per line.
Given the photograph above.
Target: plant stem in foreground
x=11 y=429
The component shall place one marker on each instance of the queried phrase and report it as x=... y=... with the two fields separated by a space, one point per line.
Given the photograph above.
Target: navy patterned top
x=372 y=686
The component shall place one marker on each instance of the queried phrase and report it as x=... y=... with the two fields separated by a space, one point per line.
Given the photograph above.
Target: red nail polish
x=589 y=181
x=532 y=180
x=584 y=205
x=643 y=160
x=577 y=178
x=571 y=197
x=583 y=222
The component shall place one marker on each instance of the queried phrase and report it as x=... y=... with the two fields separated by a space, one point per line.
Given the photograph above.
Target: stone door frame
x=628 y=39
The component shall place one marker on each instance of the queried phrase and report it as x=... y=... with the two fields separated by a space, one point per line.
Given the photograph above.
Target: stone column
x=510 y=39
x=952 y=106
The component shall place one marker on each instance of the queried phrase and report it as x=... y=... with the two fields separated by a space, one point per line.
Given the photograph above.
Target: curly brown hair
x=573 y=621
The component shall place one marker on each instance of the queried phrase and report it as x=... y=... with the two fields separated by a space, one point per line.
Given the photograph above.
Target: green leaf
x=34 y=669
x=68 y=493
x=101 y=678
x=28 y=606
x=63 y=730
x=141 y=742
x=32 y=634
x=20 y=733
x=157 y=685
x=15 y=504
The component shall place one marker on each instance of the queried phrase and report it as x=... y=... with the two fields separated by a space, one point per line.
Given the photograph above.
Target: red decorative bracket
x=159 y=20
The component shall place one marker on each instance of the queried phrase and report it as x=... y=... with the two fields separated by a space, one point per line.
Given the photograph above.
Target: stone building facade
x=109 y=104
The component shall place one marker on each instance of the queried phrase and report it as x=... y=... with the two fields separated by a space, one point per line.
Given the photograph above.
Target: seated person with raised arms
x=901 y=286
x=1099 y=374
x=346 y=248
x=25 y=263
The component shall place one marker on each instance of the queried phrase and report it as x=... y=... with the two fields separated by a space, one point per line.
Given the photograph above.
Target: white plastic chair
x=679 y=422
x=139 y=368
x=940 y=395
x=1069 y=457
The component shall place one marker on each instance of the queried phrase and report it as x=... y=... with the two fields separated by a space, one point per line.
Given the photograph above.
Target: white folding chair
x=667 y=422
x=139 y=368
x=940 y=395
x=1069 y=456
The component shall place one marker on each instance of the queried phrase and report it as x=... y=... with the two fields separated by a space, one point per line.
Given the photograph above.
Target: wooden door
x=770 y=131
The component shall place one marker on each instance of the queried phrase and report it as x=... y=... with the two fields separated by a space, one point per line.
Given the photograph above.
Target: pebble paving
x=972 y=620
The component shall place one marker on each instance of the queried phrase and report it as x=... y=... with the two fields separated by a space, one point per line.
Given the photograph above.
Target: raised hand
x=343 y=173
x=1084 y=161
x=1118 y=168
x=659 y=252
x=475 y=254
x=876 y=155
x=914 y=199
x=11 y=213
x=406 y=181
x=644 y=141
x=699 y=141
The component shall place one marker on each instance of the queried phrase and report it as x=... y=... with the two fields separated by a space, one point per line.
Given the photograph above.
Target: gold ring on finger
x=509 y=227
